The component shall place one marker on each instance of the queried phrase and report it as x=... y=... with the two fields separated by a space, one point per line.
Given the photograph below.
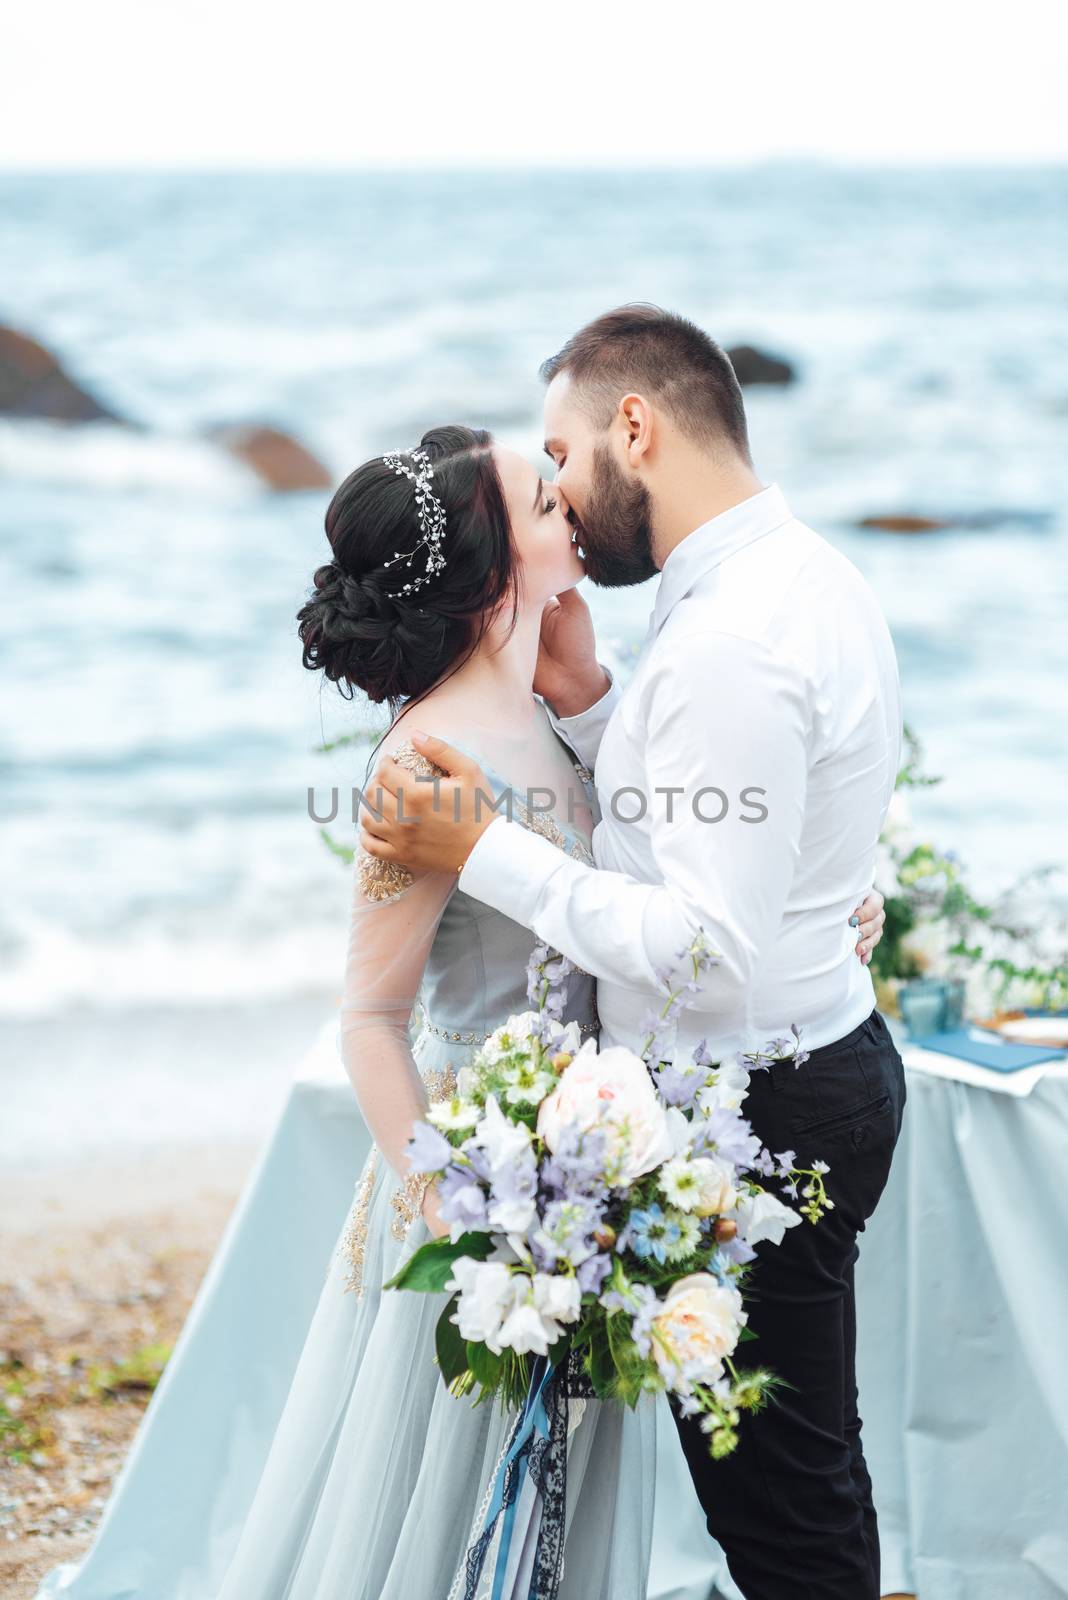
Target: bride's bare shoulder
x=440 y=719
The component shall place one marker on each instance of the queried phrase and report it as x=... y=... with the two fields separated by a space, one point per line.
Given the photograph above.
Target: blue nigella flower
x=651 y=1233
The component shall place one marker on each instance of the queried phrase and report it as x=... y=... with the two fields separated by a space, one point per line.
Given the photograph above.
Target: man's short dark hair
x=645 y=349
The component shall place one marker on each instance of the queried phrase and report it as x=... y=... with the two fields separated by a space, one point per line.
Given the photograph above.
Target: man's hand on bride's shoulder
x=427 y=824
x=568 y=674
x=870 y=918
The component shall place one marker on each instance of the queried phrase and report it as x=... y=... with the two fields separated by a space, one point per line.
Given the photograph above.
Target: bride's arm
x=394 y=918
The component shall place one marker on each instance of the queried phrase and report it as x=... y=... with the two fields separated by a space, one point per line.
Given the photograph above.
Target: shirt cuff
x=584 y=730
x=509 y=868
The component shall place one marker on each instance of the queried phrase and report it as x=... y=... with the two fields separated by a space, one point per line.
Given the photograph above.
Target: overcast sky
x=314 y=83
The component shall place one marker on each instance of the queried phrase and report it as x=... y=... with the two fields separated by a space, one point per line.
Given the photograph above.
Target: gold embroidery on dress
x=543 y=823
x=407 y=1202
x=386 y=880
x=354 y=1243
x=440 y=1085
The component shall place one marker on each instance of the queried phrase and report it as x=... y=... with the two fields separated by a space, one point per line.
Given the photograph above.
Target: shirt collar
x=713 y=542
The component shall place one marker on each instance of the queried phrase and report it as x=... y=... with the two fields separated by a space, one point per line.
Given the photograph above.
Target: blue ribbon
x=534 y=1419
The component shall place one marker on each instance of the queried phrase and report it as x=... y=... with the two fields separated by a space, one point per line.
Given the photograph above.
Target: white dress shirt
x=768 y=675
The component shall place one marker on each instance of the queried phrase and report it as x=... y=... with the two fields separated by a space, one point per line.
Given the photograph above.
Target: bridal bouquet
x=603 y=1207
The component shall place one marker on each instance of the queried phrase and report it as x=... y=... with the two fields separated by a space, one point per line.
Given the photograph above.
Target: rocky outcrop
x=279 y=459
x=753 y=366
x=901 y=522
x=33 y=384
x=976 y=521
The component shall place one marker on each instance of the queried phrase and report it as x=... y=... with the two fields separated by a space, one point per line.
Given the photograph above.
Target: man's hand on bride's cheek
x=428 y=826
x=870 y=918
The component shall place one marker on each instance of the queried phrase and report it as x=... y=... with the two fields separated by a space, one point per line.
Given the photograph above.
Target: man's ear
x=636 y=416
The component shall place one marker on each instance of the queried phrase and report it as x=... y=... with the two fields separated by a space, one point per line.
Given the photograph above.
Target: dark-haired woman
x=444 y=559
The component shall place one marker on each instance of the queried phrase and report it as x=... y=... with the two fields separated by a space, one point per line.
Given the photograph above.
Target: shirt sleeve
x=727 y=725
x=585 y=729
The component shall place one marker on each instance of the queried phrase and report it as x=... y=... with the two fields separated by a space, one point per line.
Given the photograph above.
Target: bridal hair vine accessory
x=430 y=514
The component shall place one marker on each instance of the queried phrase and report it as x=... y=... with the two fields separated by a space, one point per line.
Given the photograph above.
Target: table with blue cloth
x=962 y=1310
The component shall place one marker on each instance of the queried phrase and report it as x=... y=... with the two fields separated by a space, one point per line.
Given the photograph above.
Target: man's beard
x=616 y=530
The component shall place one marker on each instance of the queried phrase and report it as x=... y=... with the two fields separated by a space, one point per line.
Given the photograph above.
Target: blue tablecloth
x=962 y=1311
x=962 y=1349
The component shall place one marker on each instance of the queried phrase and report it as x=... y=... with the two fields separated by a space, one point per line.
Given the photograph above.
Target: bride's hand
x=568 y=674
x=870 y=919
x=431 y=1215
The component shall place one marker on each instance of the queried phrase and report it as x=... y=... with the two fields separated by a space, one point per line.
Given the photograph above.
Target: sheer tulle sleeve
x=395 y=915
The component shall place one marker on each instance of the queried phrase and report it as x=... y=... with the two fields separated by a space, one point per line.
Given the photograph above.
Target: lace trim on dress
x=385 y=880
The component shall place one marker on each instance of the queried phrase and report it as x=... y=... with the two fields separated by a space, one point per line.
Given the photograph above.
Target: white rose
x=610 y=1090
x=525 y=1329
x=763 y=1216
x=698 y=1325
x=557 y=1296
x=716 y=1183
x=485 y=1290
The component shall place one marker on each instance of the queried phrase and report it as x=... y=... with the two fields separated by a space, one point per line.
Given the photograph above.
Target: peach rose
x=610 y=1090
x=697 y=1326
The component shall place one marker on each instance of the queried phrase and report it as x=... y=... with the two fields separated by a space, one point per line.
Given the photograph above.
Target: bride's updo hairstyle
x=355 y=627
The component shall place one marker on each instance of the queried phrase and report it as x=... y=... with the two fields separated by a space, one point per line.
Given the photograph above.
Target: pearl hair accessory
x=429 y=512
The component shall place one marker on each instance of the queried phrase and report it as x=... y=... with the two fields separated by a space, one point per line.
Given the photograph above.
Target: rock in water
x=33 y=384
x=758 y=366
x=902 y=522
x=280 y=460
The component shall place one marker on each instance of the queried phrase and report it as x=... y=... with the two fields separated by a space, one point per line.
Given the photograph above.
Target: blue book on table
x=987 y=1049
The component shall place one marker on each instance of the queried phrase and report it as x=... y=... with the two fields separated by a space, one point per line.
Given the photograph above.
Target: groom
x=743 y=775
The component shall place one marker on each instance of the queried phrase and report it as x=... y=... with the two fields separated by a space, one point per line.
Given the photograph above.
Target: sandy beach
x=99 y=1265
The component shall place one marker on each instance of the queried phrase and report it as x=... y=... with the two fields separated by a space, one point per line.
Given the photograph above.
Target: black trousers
x=792 y=1505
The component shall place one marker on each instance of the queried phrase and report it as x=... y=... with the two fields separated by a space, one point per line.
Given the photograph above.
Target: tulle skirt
x=378 y=1478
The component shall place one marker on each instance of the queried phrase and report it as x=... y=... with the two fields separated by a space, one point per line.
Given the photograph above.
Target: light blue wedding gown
x=378 y=1478
x=368 y=1481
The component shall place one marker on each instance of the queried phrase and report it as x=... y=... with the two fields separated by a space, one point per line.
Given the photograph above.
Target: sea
x=172 y=923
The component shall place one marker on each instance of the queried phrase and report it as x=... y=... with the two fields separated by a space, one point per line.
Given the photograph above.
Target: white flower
x=512 y=1214
x=501 y=1139
x=539 y=1305
x=704 y=1185
x=697 y=1325
x=763 y=1216
x=557 y=1297
x=680 y=1130
x=524 y=1329
x=456 y=1114
x=611 y=1091
x=485 y=1290
x=716 y=1179
x=513 y=1037
x=677 y=1181
x=729 y=1087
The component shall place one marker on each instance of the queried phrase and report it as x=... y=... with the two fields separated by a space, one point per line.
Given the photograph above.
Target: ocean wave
x=103 y=455
x=57 y=971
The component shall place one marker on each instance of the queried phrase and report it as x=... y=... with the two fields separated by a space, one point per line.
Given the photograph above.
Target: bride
x=445 y=558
